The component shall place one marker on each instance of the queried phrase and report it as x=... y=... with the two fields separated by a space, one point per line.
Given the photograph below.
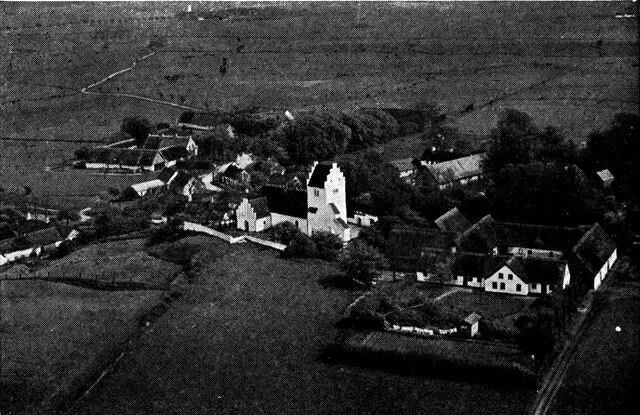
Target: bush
x=284 y=232
x=361 y=262
x=301 y=246
x=327 y=244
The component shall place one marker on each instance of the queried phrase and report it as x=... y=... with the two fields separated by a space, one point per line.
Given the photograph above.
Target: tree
x=512 y=141
x=137 y=127
x=327 y=244
x=301 y=246
x=361 y=262
x=284 y=232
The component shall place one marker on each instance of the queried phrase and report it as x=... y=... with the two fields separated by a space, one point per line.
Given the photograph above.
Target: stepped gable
x=290 y=202
x=319 y=175
x=260 y=206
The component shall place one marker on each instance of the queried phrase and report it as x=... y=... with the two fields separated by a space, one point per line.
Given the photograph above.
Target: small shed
x=606 y=178
x=470 y=325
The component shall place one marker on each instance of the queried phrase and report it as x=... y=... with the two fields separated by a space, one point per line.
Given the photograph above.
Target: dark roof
x=480 y=237
x=408 y=241
x=591 y=251
x=476 y=265
x=537 y=236
x=319 y=175
x=14 y=244
x=44 y=236
x=334 y=208
x=342 y=223
x=181 y=180
x=472 y=318
x=32 y=225
x=174 y=153
x=403 y=165
x=260 y=207
x=147 y=158
x=437 y=261
x=5 y=231
x=537 y=270
x=290 y=202
x=166 y=174
x=232 y=171
x=453 y=221
x=456 y=169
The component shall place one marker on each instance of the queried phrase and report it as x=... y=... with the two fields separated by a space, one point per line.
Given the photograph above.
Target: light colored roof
x=456 y=169
x=605 y=175
x=403 y=164
x=472 y=318
x=151 y=184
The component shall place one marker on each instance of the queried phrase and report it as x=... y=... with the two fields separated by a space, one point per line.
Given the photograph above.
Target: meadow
x=247 y=338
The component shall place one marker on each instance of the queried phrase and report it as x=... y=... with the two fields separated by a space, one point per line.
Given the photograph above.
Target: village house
x=41 y=213
x=406 y=168
x=322 y=206
x=453 y=221
x=32 y=244
x=447 y=173
x=503 y=257
x=605 y=177
x=156 y=153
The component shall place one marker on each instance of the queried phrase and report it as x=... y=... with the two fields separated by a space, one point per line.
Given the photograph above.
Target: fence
x=195 y=227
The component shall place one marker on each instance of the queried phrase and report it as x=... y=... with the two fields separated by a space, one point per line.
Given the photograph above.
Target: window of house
x=500 y=275
x=297 y=224
x=529 y=252
x=518 y=287
x=502 y=286
x=534 y=286
x=550 y=254
x=335 y=190
x=510 y=277
x=494 y=285
x=316 y=192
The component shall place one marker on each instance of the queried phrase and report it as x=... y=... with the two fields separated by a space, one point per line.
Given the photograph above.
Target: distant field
x=606 y=363
x=55 y=335
x=544 y=58
x=247 y=340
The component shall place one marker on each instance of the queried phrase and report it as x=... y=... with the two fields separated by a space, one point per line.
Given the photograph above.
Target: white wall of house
x=566 y=277
x=524 y=252
x=246 y=217
x=263 y=223
x=504 y=280
x=476 y=282
x=363 y=219
x=606 y=267
x=16 y=255
x=299 y=222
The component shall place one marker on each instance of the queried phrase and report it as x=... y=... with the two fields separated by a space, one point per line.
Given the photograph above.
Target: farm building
x=31 y=244
x=406 y=168
x=593 y=256
x=502 y=257
x=322 y=206
x=453 y=221
x=605 y=177
x=184 y=184
x=150 y=186
x=157 y=152
x=470 y=325
x=363 y=219
x=456 y=171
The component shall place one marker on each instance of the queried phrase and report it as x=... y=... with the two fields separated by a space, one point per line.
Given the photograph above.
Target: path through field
x=85 y=90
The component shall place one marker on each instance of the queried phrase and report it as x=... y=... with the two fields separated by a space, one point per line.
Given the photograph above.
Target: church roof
x=319 y=175
x=290 y=202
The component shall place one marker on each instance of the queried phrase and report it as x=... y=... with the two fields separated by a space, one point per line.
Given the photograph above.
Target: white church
x=322 y=206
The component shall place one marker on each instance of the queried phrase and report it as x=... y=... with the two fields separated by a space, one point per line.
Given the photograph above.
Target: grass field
x=247 y=339
x=490 y=305
x=55 y=335
x=606 y=363
x=113 y=261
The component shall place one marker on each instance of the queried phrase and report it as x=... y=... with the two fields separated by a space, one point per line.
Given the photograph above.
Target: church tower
x=326 y=198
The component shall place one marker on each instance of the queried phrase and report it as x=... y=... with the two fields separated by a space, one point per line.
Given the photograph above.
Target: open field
x=56 y=336
x=607 y=362
x=302 y=57
x=247 y=338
